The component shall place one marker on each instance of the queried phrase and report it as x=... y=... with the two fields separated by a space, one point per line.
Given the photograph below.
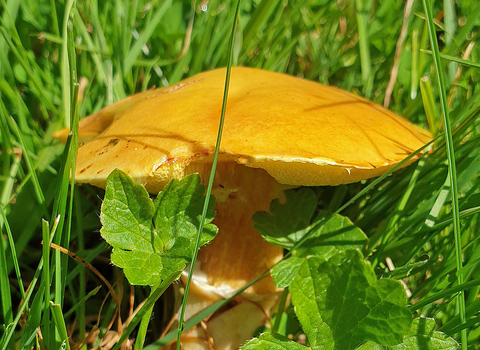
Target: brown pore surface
x=239 y=254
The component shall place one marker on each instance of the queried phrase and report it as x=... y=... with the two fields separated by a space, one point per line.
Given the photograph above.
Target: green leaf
x=178 y=210
x=333 y=236
x=422 y=336
x=341 y=305
x=153 y=240
x=286 y=223
x=267 y=341
x=285 y=271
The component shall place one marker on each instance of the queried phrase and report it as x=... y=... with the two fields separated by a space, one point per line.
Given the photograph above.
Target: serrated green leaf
x=422 y=336
x=341 y=305
x=335 y=235
x=267 y=341
x=285 y=271
x=286 y=223
x=153 y=240
x=180 y=206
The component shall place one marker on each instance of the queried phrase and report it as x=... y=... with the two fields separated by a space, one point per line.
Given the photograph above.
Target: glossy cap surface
x=299 y=131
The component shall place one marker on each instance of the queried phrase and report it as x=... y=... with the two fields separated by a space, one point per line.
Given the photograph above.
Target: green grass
x=122 y=47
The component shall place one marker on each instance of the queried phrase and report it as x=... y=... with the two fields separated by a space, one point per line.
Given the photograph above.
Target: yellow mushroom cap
x=299 y=131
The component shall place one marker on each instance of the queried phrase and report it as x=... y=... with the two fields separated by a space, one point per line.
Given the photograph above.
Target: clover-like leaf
x=341 y=305
x=153 y=240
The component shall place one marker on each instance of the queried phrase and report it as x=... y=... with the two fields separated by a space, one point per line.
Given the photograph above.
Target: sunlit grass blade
x=143 y=329
x=390 y=229
x=9 y=334
x=31 y=68
x=8 y=185
x=81 y=301
x=415 y=62
x=135 y=50
x=258 y=20
x=196 y=319
x=69 y=93
x=363 y=42
x=60 y=325
x=47 y=334
x=28 y=161
x=4 y=282
x=212 y=175
x=451 y=163
x=429 y=105
x=280 y=311
x=456 y=59
x=156 y=293
x=453 y=291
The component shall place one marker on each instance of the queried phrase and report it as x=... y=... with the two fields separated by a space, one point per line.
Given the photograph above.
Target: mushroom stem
x=236 y=256
x=239 y=254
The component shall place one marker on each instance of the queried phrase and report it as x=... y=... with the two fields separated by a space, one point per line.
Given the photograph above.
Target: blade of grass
x=28 y=161
x=363 y=42
x=206 y=36
x=392 y=226
x=258 y=20
x=398 y=53
x=65 y=64
x=450 y=28
x=46 y=332
x=53 y=10
x=9 y=334
x=82 y=301
x=70 y=90
x=444 y=294
x=82 y=285
x=4 y=282
x=95 y=52
x=34 y=319
x=12 y=38
x=13 y=255
x=142 y=330
x=414 y=74
x=212 y=174
x=60 y=325
x=429 y=105
x=193 y=321
x=451 y=164
x=281 y=310
x=136 y=49
x=8 y=185
x=10 y=10
x=456 y=59
x=154 y=295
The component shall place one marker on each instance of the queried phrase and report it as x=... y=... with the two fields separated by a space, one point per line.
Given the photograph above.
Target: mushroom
x=279 y=132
